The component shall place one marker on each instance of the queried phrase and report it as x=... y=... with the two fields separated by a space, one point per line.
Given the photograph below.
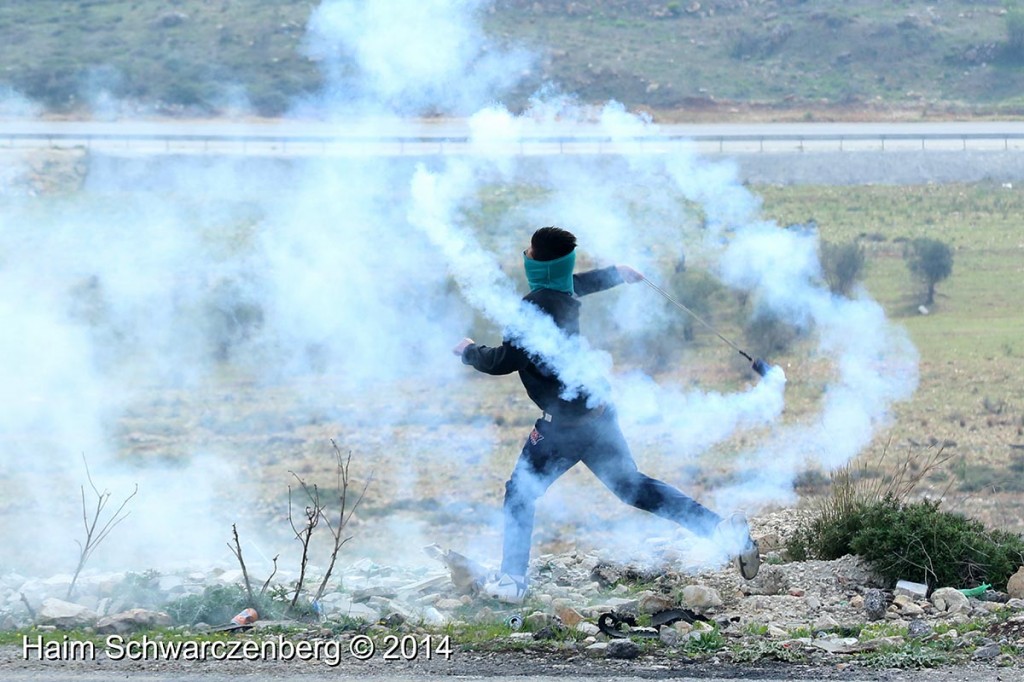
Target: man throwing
x=571 y=431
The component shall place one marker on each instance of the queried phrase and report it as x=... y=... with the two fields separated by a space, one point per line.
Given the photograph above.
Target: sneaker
x=735 y=531
x=510 y=589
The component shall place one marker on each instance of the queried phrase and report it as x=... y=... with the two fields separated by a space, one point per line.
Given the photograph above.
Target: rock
x=598 y=649
x=606 y=574
x=129 y=621
x=588 y=629
x=901 y=600
x=64 y=614
x=874 y=604
x=1015 y=586
x=547 y=632
x=986 y=652
x=918 y=629
x=622 y=648
x=682 y=627
x=950 y=600
x=907 y=606
x=668 y=636
x=995 y=596
x=538 y=620
x=701 y=598
x=651 y=603
x=1015 y=604
x=569 y=616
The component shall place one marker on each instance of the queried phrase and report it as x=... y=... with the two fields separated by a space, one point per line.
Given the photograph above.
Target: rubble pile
x=813 y=610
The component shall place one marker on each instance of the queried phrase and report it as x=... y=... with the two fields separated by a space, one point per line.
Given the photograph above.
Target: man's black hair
x=549 y=243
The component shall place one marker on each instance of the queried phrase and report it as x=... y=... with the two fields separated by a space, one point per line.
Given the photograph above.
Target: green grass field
x=971 y=393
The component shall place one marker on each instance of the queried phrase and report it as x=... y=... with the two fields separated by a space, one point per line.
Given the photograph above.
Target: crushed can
x=515 y=621
x=246 y=617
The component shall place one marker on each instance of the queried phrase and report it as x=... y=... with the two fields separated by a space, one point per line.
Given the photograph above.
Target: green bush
x=218 y=604
x=913 y=541
x=842 y=265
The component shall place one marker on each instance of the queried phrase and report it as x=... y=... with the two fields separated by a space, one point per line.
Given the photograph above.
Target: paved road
x=418 y=137
x=537 y=666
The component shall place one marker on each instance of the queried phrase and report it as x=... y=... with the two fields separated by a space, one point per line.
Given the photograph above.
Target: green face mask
x=551 y=274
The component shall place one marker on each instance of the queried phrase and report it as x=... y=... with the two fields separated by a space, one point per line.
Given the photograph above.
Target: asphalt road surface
x=427 y=137
x=496 y=667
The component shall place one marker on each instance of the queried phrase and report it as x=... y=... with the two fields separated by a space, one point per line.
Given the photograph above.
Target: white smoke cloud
x=14 y=104
x=410 y=58
x=140 y=316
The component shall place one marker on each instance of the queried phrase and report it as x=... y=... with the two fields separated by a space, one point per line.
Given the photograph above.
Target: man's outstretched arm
x=605 y=278
x=503 y=359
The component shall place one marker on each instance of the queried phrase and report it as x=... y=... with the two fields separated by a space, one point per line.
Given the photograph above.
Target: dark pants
x=553 y=448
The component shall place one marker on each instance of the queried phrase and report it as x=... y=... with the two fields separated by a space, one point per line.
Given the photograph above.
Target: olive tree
x=842 y=265
x=930 y=261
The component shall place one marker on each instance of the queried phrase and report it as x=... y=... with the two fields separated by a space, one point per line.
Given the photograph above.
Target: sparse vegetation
x=912 y=654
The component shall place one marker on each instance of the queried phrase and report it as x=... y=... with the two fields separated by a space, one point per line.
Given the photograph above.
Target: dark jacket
x=542 y=385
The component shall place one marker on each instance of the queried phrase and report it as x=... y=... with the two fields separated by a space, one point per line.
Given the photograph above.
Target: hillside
x=683 y=60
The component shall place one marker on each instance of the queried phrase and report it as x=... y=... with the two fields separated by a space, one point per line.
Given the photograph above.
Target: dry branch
x=344 y=513
x=94 y=532
x=313 y=513
x=237 y=551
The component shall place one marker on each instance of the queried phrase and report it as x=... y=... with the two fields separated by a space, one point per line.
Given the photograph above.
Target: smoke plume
x=203 y=326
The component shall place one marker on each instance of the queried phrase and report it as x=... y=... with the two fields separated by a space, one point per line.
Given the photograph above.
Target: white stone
x=950 y=600
x=701 y=597
x=65 y=614
x=129 y=621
